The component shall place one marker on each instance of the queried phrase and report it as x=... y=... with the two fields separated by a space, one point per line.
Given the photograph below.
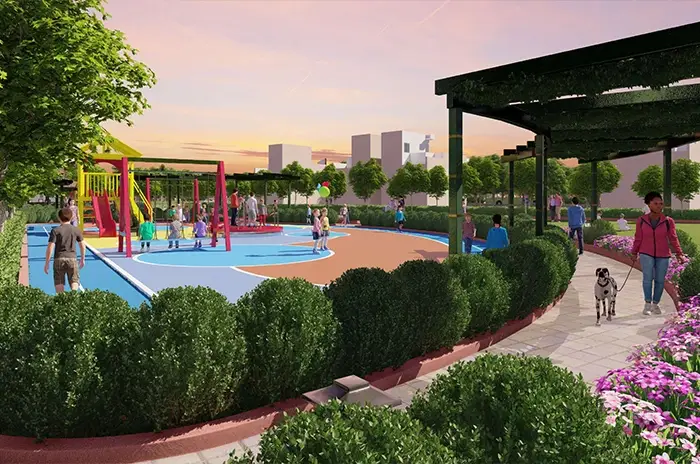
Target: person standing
x=308 y=213
x=552 y=208
x=251 y=210
x=74 y=220
x=652 y=237
x=147 y=230
x=497 y=236
x=62 y=240
x=275 y=213
x=235 y=202
x=558 y=202
x=576 y=216
x=468 y=233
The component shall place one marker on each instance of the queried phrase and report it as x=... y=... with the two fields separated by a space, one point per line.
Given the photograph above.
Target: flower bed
x=655 y=400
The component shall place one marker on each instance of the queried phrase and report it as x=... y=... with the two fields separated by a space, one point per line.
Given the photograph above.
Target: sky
x=236 y=76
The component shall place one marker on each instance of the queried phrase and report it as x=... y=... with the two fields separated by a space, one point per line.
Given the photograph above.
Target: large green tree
x=649 y=179
x=366 y=178
x=439 y=182
x=685 y=179
x=409 y=179
x=471 y=184
x=304 y=186
x=580 y=179
x=489 y=173
x=336 y=179
x=557 y=177
x=65 y=73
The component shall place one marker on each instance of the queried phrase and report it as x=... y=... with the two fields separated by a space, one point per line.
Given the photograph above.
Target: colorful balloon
x=324 y=191
x=326 y=184
x=318 y=186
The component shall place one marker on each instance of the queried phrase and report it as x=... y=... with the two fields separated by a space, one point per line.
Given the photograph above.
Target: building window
x=406 y=147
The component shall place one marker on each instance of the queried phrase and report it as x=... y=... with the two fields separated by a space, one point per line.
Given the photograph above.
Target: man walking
x=235 y=202
x=577 y=218
x=62 y=240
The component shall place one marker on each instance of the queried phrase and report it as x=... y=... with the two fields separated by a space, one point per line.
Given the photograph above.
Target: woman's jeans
x=653 y=270
x=468 y=245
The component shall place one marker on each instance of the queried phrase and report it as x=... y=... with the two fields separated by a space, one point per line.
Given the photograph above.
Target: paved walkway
x=567 y=334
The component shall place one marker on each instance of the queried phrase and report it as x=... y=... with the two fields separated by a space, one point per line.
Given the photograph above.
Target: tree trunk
x=4 y=215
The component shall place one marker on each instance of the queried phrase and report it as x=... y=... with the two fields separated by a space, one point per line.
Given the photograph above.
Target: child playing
x=400 y=218
x=316 y=230
x=262 y=212
x=199 y=230
x=175 y=232
x=468 y=233
x=498 y=236
x=325 y=229
x=308 y=214
x=622 y=223
x=146 y=232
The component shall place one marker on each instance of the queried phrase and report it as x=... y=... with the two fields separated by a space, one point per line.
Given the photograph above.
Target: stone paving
x=567 y=334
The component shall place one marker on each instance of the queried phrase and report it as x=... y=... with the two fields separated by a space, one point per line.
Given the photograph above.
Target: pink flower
x=663 y=459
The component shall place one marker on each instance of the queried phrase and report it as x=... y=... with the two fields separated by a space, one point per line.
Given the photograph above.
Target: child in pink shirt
x=316 y=230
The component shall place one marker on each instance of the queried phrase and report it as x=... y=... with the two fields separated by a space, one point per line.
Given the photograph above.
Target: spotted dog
x=605 y=290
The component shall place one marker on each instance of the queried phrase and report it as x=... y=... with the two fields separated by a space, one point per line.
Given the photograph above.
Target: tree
x=489 y=174
x=399 y=184
x=608 y=179
x=685 y=179
x=409 y=179
x=557 y=177
x=65 y=74
x=336 y=179
x=303 y=186
x=307 y=186
x=649 y=179
x=439 y=182
x=367 y=178
x=525 y=182
x=471 y=184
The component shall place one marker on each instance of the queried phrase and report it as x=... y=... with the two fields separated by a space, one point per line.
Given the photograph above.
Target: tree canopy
x=366 y=178
x=649 y=179
x=439 y=182
x=336 y=179
x=409 y=179
x=685 y=179
x=65 y=74
x=580 y=179
x=471 y=184
x=489 y=171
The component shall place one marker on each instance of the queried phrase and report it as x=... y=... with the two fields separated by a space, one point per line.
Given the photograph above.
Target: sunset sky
x=235 y=76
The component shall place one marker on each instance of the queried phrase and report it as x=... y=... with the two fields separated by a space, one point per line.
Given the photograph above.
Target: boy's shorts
x=315 y=235
x=66 y=267
x=326 y=233
x=400 y=222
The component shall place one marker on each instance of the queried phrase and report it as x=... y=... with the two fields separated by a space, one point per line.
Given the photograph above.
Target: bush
x=688 y=245
x=11 y=249
x=40 y=214
x=489 y=299
x=290 y=334
x=67 y=363
x=337 y=433
x=559 y=238
x=597 y=229
x=432 y=308
x=534 y=270
x=518 y=410
x=194 y=357
x=364 y=302
x=689 y=280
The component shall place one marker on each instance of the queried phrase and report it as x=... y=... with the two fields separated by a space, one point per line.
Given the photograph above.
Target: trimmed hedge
x=40 y=214
x=688 y=245
x=689 y=280
x=597 y=229
x=11 y=249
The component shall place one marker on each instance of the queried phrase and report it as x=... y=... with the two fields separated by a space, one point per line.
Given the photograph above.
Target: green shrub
x=488 y=292
x=40 y=214
x=68 y=363
x=194 y=357
x=290 y=334
x=689 y=280
x=337 y=433
x=597 y=229
x=533 y=269
x=519 y=410
x=482 y=225
x=688 y=245
x=432 y=308
x=559 y=238
x=11 y=249
x=364 y=302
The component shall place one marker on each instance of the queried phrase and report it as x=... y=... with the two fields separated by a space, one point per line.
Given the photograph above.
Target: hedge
x=40 y=214
x=11 y=249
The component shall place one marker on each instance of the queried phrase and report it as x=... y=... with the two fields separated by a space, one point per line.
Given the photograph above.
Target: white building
x=624 y=197
x=392 y=149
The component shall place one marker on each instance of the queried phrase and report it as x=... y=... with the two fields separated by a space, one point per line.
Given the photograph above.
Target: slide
x=106 y=224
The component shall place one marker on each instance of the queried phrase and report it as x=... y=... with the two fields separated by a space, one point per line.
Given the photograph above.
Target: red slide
x=106 y=224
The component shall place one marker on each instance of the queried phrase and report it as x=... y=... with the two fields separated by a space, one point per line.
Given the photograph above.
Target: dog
x=605 y=290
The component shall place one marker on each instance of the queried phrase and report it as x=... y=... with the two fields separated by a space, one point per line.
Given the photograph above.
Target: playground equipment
x=97 y=191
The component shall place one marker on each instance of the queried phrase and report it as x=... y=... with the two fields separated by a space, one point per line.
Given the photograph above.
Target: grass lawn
x=692 y=229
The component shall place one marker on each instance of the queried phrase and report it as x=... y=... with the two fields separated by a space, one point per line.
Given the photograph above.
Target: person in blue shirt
x=497 y=236
x=577 y=218
x=400 y=218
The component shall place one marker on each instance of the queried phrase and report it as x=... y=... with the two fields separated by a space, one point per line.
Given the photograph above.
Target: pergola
x=600 y=125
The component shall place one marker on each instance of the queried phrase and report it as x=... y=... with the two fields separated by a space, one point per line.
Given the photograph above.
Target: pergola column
x=539 y=187
x=454 y=217
x=511 y=193
x=545 y=187
x=668 y=199
x=594 y=190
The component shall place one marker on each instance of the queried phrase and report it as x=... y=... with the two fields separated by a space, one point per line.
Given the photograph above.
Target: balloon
x=324 y=191
x=326 y=184
x=318 y=186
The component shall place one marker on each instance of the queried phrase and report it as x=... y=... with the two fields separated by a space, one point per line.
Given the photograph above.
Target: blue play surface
x=240 y=255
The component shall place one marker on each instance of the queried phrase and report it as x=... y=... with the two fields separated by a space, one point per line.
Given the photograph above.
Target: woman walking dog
x=655 y=232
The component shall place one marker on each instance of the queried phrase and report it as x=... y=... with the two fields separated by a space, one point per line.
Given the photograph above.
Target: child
x=175 y=231
x=146 y=231
x=468 y=233
x=179 y=213
x=325 y=229
x=199 y=230
x=400 y=218
x=74 y=210
x=577 y=218
x=252 y=207
x=262 y=211
x=171 y=212
x=316 y=230
x=498 y=236
x=62 y=244
x=344 y=215
x=622 y=223
x=308 y=214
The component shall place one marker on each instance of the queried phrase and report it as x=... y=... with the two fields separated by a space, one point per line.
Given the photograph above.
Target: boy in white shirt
x=252 y=207
x=622 y=223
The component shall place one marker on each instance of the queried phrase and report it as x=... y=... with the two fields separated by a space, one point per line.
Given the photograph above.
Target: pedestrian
x=74 y=220
x=576 y=216
x=234 y=207
x=468 y=233
x=62 y=240
x=652 y=237
x=498 y=235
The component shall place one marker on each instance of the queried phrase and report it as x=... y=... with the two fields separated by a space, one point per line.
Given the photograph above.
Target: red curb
x=624 y=259
x=24 y=263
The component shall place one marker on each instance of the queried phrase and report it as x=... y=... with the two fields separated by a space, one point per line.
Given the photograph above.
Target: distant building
x=391 y=149
x=624 y=197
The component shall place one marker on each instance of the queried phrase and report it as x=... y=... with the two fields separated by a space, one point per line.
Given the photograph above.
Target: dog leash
x=626 y=278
